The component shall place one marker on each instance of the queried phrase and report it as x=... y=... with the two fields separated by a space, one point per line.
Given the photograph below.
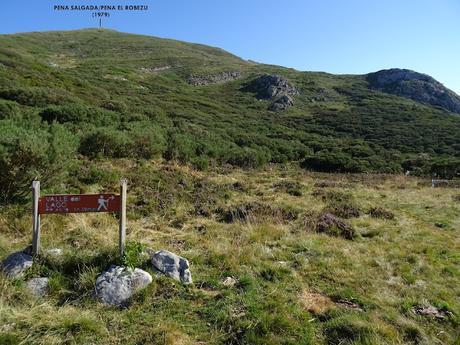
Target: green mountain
x=122 y=95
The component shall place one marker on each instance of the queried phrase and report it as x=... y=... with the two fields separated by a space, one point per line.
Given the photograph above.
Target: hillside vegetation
x=101 y=93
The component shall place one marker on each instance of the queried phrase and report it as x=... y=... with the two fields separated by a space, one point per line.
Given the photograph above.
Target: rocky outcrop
x=118 y=284
x=282 y=103
x=172 y=265
x=416 y=86
x=213 y=79
x=16 y=265
x=275 y=88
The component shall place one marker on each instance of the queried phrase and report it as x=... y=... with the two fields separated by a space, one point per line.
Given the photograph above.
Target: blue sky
x=336 y=36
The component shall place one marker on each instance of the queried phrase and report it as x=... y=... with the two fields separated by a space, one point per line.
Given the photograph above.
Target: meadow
x=266 y=269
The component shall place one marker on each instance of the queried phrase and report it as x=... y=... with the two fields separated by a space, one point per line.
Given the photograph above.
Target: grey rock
x=173 y=266
x=54 y=251
x=431 y=311
x=273 y=87
x=416 y=86
x=282 y=103
x=38 y=286
x=118 y=284
x=229 y=281
x=16 y=264
x=213 y=79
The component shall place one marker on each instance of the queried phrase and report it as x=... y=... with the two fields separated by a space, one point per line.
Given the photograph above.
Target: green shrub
x=9 y=110
x=133 y=256
x=105 y=142
x=25 y=154
x=79 y=113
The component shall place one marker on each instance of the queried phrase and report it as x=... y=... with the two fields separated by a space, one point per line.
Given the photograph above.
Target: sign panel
x=79 y=203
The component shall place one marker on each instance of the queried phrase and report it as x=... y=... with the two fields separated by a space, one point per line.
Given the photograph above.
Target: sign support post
x=122 y=237
x=35 y=218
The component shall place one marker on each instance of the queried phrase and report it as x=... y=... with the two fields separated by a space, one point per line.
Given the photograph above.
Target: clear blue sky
x=337 y=36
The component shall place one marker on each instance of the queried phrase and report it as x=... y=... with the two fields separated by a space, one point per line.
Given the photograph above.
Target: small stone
x=38 y=286
x=16 y=264
x=173 y=266
x=54 y=251
x=118 y=284
x=229 y=281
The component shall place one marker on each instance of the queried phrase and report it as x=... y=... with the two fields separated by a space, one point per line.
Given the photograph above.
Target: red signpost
x=77 y=203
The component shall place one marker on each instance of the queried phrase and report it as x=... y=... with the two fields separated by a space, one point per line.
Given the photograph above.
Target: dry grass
x=293 y=285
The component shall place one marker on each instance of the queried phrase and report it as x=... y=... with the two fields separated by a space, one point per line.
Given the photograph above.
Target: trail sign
x=77 y=203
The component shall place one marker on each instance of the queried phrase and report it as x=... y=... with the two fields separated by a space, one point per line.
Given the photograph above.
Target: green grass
x=407 y=261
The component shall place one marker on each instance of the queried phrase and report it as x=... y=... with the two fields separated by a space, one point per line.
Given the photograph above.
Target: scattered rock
x=117 y=285
x=155 y=69
x=54 y=252
x=334 y=226
x=38 y=286
x=416 y=86
x=431 y=311
x=440 y=225
x=173 y=266
x=213 y=79
x=16 y=264
x=229 y=281
x=348 y=304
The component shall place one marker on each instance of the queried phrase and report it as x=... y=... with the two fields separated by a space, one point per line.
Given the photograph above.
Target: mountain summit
x=416 y=86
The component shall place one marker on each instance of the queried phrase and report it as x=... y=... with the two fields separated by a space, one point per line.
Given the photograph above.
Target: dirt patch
x=380 y=212
x=315 y=303
x=329 y=224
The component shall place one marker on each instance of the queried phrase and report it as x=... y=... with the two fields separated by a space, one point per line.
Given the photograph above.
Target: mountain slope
x=134 y=96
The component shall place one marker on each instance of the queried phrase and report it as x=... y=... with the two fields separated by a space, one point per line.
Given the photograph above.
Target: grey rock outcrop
x=213 y=79
x=172 y=265
x=282 y=103
x=15 y=265
x=38 y=286
x=273 y=87
x=416 y=86
x=118 y=284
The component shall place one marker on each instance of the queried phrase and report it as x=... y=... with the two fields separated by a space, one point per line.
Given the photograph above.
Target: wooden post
x=35 y=218
x=122 y=238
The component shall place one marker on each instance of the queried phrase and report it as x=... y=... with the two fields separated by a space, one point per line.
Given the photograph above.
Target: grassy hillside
x=293 y=284
x=125 y=95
